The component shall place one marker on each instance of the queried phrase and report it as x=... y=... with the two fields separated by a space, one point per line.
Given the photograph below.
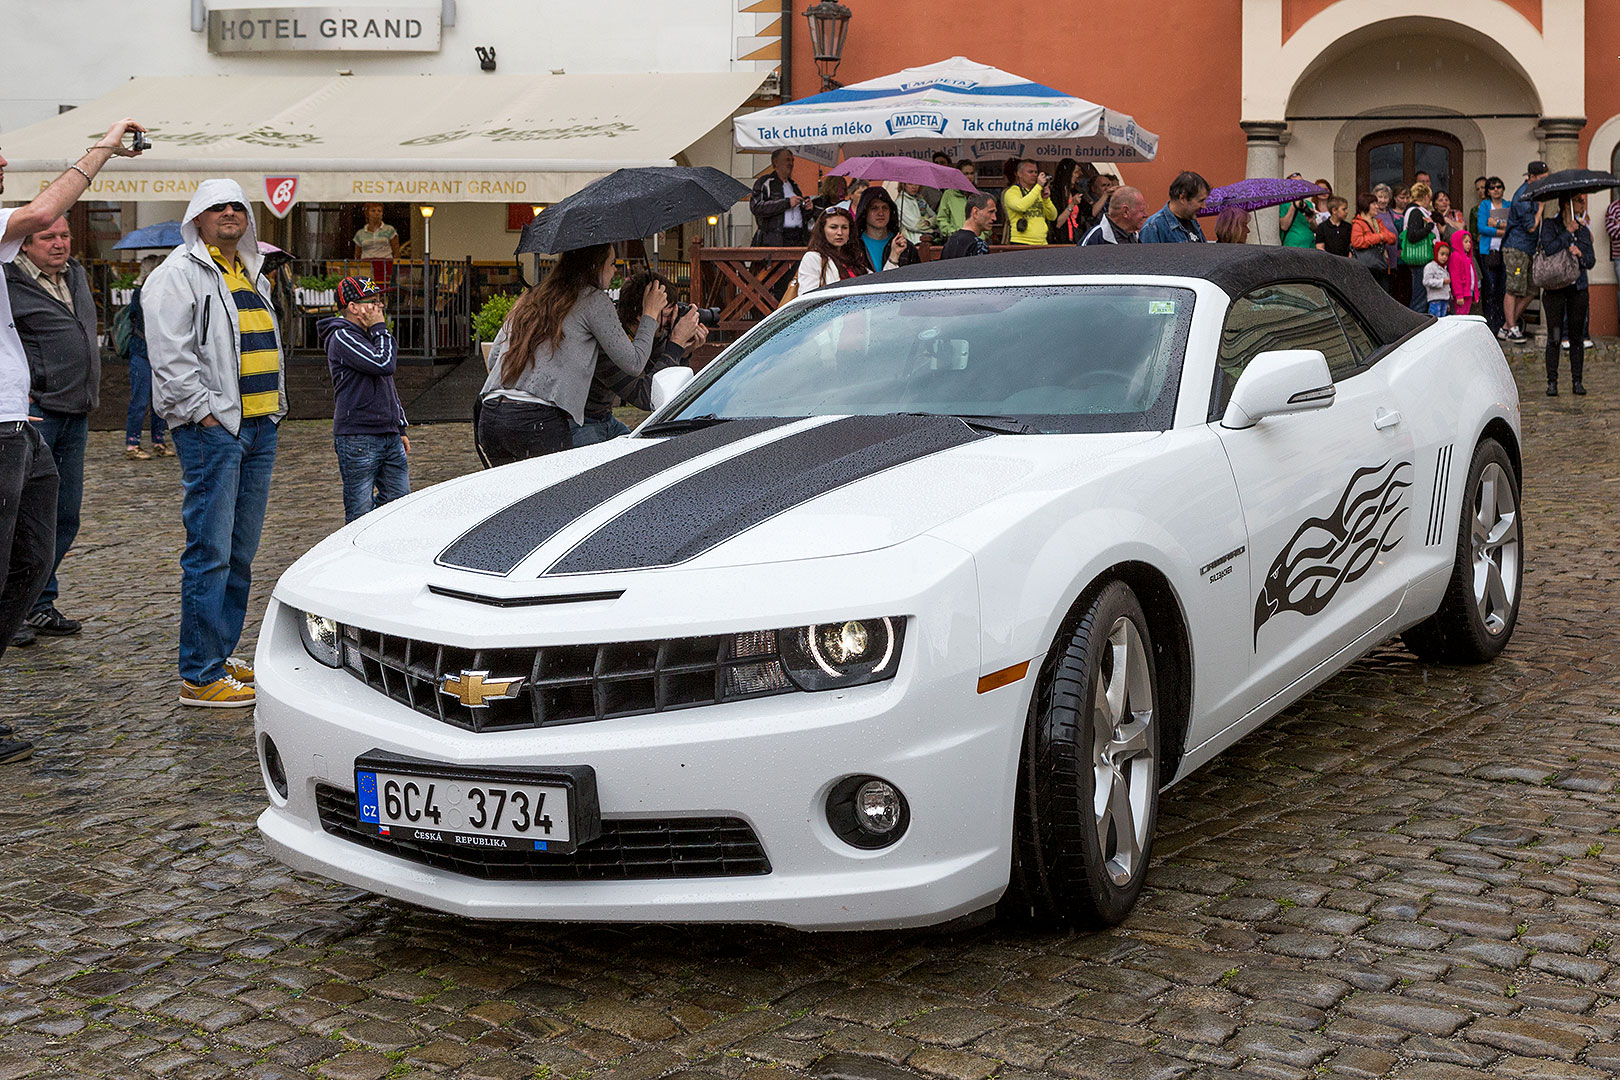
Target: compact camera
x=138 y=141
x=708 y=316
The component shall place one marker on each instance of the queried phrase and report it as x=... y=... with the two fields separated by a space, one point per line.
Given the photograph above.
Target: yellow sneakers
x=240 y=670
x=225 y=692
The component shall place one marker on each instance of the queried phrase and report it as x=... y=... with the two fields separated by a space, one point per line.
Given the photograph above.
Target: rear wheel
x=1481 y=606
x=1088 y=790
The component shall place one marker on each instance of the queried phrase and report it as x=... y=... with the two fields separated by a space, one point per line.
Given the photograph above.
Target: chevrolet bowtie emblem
x=475 y=689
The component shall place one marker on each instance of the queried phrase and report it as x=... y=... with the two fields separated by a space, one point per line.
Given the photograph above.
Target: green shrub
x=319 y=282
x=487 y=323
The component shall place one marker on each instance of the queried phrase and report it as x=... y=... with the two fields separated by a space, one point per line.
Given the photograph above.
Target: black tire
x=1472 y=626
x=1069 y=866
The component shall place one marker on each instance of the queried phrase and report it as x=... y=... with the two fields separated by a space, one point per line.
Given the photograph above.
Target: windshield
x=1059 y=358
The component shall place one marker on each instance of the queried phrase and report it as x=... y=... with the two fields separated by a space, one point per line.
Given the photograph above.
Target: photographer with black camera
x=682 y=330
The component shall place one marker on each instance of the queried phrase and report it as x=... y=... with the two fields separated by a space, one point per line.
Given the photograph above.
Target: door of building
x=1396 y=155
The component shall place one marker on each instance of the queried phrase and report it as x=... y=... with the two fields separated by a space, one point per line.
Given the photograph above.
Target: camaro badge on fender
x=475 y=689
x=1329 y=553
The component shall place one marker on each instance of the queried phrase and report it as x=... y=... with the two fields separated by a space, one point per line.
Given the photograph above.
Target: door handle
x=1384 y=418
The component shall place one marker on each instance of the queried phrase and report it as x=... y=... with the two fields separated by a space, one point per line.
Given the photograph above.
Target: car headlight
x=322 y=638
x=828 y=656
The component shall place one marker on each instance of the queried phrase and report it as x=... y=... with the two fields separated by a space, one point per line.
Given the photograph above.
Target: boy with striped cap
x=215 y=351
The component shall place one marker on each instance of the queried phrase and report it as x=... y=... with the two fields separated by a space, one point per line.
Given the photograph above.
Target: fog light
x=274 y=771
x=867 y=812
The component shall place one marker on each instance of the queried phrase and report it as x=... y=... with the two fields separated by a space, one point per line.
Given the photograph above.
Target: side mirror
x=1278 y=382
x=667 y=382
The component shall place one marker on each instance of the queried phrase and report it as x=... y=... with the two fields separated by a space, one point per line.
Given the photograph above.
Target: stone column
x=1265 y=160
x=1563 y=135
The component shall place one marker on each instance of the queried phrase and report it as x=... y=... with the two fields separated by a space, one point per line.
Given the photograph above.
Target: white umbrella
x=966 y=109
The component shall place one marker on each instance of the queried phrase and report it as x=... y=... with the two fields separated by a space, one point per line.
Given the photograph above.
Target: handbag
x=1417 y=253
x=1555 y=270
x=1371 y=257
x=791 y=294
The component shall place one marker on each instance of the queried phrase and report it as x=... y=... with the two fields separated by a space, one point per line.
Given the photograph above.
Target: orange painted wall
x=1602 y=102
x=1181 y=82
x=1296 y=13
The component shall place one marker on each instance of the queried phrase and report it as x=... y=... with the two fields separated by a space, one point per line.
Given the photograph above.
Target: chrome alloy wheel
x=1122 y=715
x=1495 y=527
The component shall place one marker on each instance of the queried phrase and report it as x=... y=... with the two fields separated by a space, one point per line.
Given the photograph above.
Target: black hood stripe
x=704 y=510
x=500 y=543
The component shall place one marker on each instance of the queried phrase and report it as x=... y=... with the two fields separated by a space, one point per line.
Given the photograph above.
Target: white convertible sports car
x=909 y=604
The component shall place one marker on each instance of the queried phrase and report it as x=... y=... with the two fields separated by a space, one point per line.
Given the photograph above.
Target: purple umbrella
x=1257 y=193
x=905 y=170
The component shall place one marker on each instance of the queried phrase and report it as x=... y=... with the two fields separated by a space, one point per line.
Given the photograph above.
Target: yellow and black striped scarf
x=260 y=377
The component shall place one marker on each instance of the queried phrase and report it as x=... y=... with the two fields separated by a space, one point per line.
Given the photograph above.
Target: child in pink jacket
x=1464 y=275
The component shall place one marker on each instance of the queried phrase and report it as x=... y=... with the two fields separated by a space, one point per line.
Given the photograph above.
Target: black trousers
x=511 y=431
x=27 y=522
x=1565 y=312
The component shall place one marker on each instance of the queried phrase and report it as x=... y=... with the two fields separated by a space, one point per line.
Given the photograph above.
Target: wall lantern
x=829 y=25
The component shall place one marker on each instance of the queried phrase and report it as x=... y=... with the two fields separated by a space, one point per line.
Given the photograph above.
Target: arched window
x=1395 y=156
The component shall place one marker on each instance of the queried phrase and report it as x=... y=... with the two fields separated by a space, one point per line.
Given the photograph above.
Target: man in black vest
x=55 y=313
x=776 y=205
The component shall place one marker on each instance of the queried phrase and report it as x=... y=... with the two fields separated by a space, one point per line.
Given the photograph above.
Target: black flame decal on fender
x=1329 y=553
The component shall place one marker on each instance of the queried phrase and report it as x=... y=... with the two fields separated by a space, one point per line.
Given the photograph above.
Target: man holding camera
x=27 y=473
x=681 y=332
x=1029 y=205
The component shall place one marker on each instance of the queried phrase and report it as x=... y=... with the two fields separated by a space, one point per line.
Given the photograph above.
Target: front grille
x=568 y=684
x=626 y=850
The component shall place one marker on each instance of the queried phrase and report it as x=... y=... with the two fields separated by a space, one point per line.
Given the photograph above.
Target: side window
x=1361 y=342
x=1291 y=316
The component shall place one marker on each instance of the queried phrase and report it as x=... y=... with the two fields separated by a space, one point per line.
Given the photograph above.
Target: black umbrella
x=1571 y=182
x=630 y=204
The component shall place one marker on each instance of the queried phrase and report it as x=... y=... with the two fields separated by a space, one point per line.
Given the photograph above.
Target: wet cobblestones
x=1414 y=873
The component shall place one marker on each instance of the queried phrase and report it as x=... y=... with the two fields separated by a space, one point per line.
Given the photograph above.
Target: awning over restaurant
x=422 y=138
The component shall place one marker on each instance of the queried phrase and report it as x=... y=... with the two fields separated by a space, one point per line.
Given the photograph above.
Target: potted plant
x=487 y=323
x=316 y=290
x=123 y=288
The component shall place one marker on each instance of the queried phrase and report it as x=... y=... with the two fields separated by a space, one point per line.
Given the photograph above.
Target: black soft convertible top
x=1234 y=268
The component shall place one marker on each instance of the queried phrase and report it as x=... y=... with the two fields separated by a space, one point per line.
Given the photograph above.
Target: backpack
x=123 y=329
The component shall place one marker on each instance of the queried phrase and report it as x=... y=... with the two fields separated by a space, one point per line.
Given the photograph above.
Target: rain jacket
x=1464 y=277
x=193 y=337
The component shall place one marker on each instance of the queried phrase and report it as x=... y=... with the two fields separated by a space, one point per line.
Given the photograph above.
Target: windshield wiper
x=685 y=423
x=1000 y=425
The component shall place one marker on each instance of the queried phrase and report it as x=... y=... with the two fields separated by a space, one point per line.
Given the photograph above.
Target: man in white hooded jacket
x=216 y=360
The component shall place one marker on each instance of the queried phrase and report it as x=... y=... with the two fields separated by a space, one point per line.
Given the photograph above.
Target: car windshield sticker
x=500 y=543
x=704 y=510
x=1161 y=307
x=1326 y=554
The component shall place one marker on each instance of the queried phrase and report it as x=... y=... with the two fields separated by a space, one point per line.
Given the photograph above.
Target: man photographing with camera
x=28 y=477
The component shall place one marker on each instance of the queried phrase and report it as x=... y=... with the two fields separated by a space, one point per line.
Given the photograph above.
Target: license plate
x=501 y=810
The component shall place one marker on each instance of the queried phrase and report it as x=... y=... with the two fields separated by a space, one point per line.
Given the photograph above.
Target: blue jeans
x=374 y=472
x=597 y=431
x=1438 y=308
x=226 y=482
x=65 y=434
x=1420 y=295
x=140 y=398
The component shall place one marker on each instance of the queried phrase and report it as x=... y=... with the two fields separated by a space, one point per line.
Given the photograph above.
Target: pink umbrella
x=905 y=170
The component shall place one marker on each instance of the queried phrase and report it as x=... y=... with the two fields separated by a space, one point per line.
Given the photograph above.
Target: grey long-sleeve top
x=562 y=376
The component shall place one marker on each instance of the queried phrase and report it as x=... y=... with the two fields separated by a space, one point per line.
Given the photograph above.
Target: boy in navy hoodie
x=368 y=422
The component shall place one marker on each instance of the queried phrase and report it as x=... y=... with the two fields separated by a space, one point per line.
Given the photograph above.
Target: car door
x=1325 y=494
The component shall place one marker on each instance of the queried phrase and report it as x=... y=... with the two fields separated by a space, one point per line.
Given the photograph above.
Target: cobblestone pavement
x=1415 y=872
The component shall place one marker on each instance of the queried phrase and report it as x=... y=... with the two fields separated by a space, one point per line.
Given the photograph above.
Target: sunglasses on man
x=222 y=207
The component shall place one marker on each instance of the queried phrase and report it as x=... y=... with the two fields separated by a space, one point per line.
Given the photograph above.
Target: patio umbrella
x=966 y=109
x=905 y=170
x=1257 y=193
x=165 y=234
x=630 y=204
x=1571 y=182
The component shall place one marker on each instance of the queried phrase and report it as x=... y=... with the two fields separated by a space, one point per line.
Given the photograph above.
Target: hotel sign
x=345 y=28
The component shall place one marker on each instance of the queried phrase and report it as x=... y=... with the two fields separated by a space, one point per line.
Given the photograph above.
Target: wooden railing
x=746 y=283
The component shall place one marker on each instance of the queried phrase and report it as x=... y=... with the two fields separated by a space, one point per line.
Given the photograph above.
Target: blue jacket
x=1165 y=228
x=1555 y=238
x=362 y=363
x=1521 y=231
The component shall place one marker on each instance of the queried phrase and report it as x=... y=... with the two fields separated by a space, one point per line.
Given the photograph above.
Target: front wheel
x=1088 y=788
x=1481 y=605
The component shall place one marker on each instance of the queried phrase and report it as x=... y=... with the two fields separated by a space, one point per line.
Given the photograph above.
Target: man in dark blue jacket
x=1524 y=229
x=368 y=422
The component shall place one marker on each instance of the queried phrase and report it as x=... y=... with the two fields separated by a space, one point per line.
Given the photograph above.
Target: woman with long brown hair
x=543 y=358
x=833 y=254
